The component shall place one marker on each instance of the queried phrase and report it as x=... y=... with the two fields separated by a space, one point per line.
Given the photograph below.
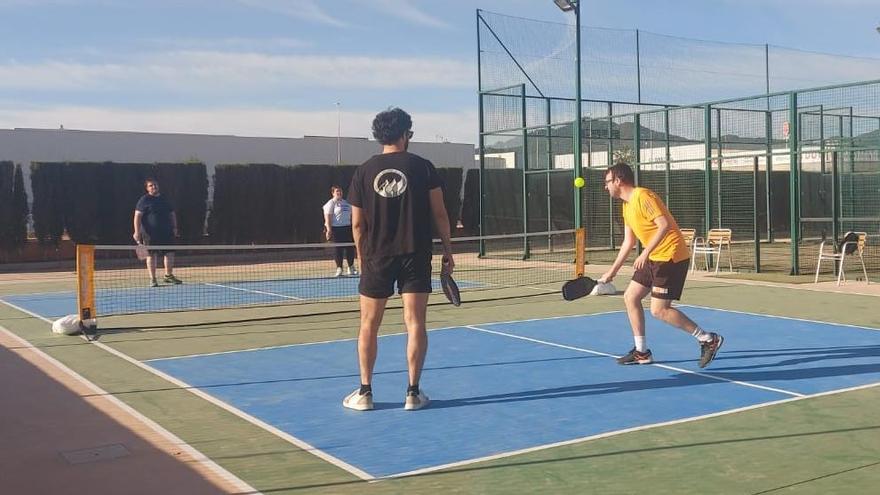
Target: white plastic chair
x=856 y=247
x=713 y=244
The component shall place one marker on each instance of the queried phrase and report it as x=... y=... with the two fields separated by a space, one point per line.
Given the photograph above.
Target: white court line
x=282 y=346
x=197 y=456
x=860 y=327
x=226 y=407
x=254 y=291
x=664 y=366
x=780 y=285
x=620 y=432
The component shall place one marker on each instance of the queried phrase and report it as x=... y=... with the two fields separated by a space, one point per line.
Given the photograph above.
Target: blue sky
x=278 y=67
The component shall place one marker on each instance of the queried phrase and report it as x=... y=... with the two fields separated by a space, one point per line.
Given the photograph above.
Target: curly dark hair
x=390 y=125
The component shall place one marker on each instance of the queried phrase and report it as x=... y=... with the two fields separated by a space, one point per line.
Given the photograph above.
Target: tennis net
x=113 y=281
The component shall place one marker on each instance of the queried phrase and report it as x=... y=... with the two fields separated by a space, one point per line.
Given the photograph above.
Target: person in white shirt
x=337 y=228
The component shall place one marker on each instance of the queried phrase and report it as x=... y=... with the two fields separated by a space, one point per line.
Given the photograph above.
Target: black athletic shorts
x=411 y=272
x=666 y=278
x=158 y=240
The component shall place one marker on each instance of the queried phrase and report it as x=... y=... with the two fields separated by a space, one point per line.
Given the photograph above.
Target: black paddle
x=450 y=288
x=578 y=288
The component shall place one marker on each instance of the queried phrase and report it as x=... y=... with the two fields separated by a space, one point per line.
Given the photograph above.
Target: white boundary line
x=241 y=414
x=254 y=291
x=807 y=286
x=860 y=327
x=197 y=456
x=626 y=430
x=672 y=368
x=281 y=346
x=226 y=407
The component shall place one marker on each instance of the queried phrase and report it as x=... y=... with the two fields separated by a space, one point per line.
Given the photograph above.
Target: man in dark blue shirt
x=156 y=224
x=395 y=197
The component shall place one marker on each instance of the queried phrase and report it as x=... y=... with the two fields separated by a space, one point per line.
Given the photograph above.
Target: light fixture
x=568 y=5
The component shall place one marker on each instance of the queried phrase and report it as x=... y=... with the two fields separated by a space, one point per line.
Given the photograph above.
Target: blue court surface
x=198 y=296
x=505 y=387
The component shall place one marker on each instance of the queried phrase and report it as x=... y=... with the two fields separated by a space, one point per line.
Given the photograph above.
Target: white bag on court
x=604 y=289
x=68 y=325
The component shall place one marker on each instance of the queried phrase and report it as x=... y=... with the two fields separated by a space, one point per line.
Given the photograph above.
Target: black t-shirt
x=392 y=189
x=156 y=218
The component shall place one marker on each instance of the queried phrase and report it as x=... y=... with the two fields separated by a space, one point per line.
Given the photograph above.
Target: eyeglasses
x=608 y=181
x=409 y=134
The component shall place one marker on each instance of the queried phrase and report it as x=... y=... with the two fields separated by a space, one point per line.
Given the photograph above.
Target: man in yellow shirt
x=660 y=270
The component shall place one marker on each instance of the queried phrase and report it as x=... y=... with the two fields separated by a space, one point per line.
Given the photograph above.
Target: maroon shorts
x=665 y=278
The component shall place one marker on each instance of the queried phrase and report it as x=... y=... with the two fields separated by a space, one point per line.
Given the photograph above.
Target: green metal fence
x=723 y=164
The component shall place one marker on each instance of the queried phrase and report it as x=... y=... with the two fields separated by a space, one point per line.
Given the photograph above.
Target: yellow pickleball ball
x=579 y=182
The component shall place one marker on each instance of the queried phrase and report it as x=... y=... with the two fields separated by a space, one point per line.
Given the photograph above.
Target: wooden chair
x=689 y=235
x=714 y=243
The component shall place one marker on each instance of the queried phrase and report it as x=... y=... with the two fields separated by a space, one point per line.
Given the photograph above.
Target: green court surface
x=826 y=443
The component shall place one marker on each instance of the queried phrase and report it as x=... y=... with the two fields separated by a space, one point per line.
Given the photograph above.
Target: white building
x=23 y=146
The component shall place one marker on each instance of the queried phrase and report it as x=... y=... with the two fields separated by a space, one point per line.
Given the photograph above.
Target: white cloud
x=307 y=10
x=230 y=44
x=456 y=126
x=404 y=9
x=223 y=72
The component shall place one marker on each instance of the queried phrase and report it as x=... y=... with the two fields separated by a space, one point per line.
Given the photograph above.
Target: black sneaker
x=636 y=357
x=709 y=348
x=171 y=279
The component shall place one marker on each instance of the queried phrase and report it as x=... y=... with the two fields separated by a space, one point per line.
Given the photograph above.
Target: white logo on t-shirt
x=389 y=183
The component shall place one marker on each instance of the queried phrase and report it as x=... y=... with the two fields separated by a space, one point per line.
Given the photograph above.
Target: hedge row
x=252 y=203
x=13 y=207
x=94 y=202
x=267 y=203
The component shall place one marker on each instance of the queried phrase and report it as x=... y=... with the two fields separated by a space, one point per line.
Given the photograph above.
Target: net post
x=580 y=247
x=85 y=282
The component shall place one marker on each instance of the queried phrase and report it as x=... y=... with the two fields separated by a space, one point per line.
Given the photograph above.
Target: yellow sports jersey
x=639 y=213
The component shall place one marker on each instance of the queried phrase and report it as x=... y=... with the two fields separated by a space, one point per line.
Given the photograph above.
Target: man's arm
x=358 y=230
x=629 y=240
x=328 y=222
x=441 y=221
x=137 y=226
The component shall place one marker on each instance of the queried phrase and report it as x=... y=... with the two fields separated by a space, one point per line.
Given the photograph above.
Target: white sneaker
x=415 y=402
x=359 y=402
x=348 y=271
x=338 y=272
x=353 y=271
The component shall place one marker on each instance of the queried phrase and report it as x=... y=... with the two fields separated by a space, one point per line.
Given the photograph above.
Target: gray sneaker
x=154 y=283
x=709 y=348
x=636 y=357
x=171 y=279
x=415 y=402
x=359 y=402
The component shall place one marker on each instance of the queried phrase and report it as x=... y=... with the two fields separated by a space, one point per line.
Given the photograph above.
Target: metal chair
x=714 y=243
x=854 y=246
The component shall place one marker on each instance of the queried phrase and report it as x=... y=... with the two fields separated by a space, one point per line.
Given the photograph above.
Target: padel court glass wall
x=783 y=171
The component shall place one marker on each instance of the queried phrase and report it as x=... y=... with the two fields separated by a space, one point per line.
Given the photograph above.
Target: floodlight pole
x=575 y=6
x=578 y=166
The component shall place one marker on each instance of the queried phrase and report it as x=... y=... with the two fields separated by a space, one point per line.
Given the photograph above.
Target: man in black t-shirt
x=156 y=224
x=395 y=198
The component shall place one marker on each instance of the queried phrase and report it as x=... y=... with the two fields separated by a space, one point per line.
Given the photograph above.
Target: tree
x=6 y=181
x=20 y=209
